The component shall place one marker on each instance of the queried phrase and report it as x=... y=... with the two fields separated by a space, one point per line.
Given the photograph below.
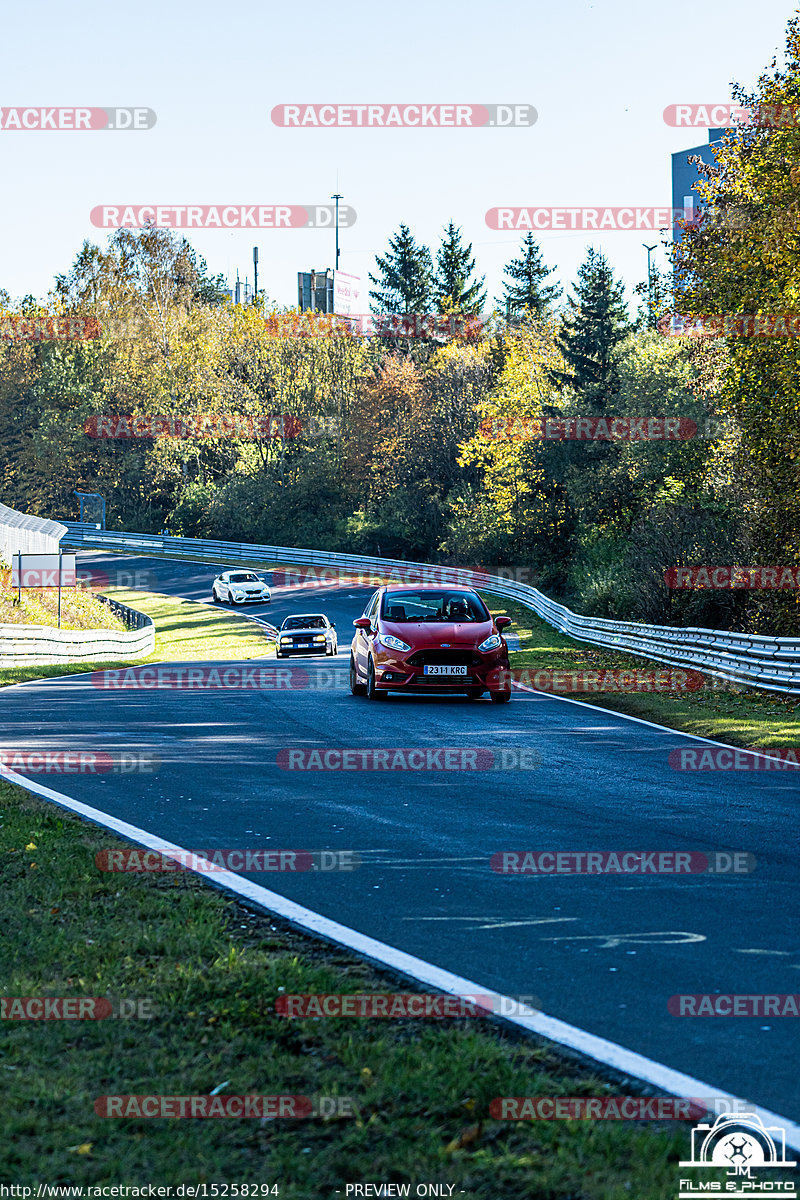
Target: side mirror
x=333 y=624
x=362 y=623
x=503 y=623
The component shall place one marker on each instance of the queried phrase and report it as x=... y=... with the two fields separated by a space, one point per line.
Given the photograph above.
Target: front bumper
x=393 y=672
x=319 y=648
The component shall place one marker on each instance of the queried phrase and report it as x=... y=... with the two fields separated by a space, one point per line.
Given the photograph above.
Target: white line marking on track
x=675 y=1083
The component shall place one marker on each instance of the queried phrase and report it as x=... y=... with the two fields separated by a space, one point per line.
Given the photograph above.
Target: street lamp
x=337 y=196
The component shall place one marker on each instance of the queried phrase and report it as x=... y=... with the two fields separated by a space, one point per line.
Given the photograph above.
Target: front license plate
x=445 y=670
x=304 y=646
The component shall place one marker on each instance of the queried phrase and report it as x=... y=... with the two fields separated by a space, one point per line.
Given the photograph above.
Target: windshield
x=304 y=623
x=245 y=577
x=446 y=605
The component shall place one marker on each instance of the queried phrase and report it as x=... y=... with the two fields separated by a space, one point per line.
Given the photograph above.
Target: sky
x=599 y=75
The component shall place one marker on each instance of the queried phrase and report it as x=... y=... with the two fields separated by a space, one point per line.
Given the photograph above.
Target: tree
x=404 y=282
x=594 y=325
x=455 y=265
x=527 y=291
x=744 y=263
x=515 y=513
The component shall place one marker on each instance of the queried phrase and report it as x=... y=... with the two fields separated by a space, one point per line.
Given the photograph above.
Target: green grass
x=212 y=970
x=747 y=717
x=79 y=609
x=185 y=631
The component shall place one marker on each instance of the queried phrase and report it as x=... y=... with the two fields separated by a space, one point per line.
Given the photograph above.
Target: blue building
x=685 y=175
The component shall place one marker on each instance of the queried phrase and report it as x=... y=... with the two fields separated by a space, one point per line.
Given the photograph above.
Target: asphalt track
x=604 y=953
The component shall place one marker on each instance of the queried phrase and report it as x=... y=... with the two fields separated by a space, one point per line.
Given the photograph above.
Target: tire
x=474 y=693
x=330 y=651
x=372 y=691
x=214 y=596
x=355 y=687
x=278 y=654
x=500 y=697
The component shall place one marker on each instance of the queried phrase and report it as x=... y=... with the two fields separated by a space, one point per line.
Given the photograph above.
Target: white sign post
x=43 y=571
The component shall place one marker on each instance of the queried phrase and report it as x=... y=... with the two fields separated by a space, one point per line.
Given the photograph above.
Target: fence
x=21 y=534
x=754 y=660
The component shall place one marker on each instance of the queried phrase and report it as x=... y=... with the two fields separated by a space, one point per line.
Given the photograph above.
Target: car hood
x=436 y=633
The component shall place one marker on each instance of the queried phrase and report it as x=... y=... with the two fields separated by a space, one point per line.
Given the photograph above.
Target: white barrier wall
x=23 y=644
x=22 y=534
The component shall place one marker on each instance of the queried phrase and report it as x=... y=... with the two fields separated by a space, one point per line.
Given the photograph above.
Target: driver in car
x=459 y=610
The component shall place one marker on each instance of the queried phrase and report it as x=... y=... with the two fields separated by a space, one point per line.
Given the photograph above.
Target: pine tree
x=405 y=280
x=455 y=266
x=527 y=291
x=595 y=323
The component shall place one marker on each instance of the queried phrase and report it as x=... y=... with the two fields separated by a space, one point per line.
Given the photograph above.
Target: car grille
x=443 y=658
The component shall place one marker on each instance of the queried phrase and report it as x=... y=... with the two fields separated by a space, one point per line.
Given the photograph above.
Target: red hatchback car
x=439 y=640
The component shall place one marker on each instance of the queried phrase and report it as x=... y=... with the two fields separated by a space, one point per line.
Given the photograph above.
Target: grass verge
x=212 y=969
x=185 y=632
x=747 y=717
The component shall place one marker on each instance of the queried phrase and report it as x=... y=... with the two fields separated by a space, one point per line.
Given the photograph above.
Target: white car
x=307 y=633
x=240 y=587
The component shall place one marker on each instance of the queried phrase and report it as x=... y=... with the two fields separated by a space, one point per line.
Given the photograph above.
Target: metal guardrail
x=130 y=617
x=754 y=660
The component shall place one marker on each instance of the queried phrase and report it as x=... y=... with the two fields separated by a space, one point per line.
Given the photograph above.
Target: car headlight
x=392 y=643
x=491 y=643
x=285 y=639
x=319 y=637
x=239 y=595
